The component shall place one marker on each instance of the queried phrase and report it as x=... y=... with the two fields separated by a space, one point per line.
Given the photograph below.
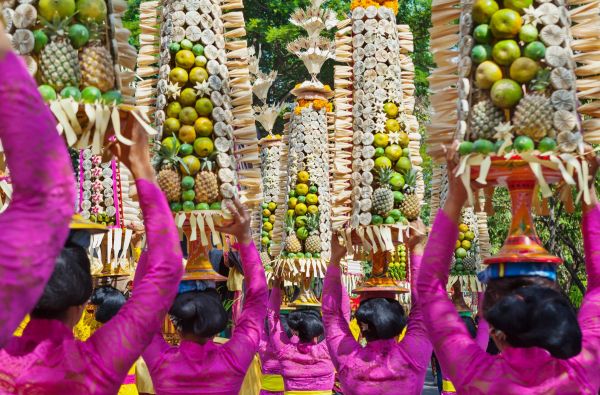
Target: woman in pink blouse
x=383 y=366
x=35 y=226
x=199 y=365
x=47 y=359
x=545 y=348
x=271 y=380
x=305 y=361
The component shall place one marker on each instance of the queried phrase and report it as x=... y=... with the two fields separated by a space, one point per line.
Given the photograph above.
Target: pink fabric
x=48 y=360
x=515 y=370
x=383 y=366
x=211 y=368
x=305 y=366
x=36 y=224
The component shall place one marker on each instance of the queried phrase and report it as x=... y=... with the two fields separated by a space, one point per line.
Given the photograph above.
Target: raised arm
x=118 y=343
x=276 y=332
x=43 y=200
x=589 y=313
x=246 y=336
x=339 y=338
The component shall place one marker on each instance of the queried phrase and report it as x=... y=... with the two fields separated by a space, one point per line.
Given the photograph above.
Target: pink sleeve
x=459 y=355
x=276 y=332
x=483 y=334
x=43 y=200
x=119 y=342
x=246 y=338
x=153 y=354
x=589 y=314
x=339 y=338
x=416 y=340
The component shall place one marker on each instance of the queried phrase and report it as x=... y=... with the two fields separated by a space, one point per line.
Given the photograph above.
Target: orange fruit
x=506 y=93
x=506 y=23
x=301 y=189
x=192 y=163
x=312 y=198
x=185 y=59
x=203 y=126
x=204 y=106
x=403 y=140
x=383 y=162
x=172 y=125
x=381 y=140
x=390 y=109
x=313 y=209
x=505 y=52
x=483 y=10
x=523 y=70
x=188 y=116
x=392 y=125
x=187 y=134
x=486 y=74
x=173 y=109
x=203 y=146
x=178 y=76
x=187 y=97
x=303 y=176
x=518 y=5
x=198 y=74
x=300 y=209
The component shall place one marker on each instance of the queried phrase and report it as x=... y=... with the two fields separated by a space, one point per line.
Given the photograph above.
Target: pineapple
x=292 y=243
x=168 y=177
x=410 y=206
x=470 y=263
x=97 y=67
x=206 y=186
x=533 y=117
x=313 y=242
x=265 y=258
x=484 y=118
x=383 y=197
x=58 y=61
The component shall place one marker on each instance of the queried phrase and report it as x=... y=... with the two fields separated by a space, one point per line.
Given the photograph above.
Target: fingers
x=233 y=209
x=241 y=209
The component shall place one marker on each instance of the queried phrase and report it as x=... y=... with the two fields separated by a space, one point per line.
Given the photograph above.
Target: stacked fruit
x=397 y=266
x=100 y=196
x=64 y=43
x=268 y=219
x=464 y=252
x=302 y=222
x=192 y=151
x=525 y=85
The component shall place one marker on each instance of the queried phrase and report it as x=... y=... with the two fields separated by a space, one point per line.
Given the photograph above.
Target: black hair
x=109 y=301
x=308 y=324
x=199 y=313
x=470 y=324
x=537 y=316
x=385 y=318
x=70 y=284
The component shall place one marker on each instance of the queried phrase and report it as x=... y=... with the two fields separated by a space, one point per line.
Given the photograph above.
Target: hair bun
x=199 y=313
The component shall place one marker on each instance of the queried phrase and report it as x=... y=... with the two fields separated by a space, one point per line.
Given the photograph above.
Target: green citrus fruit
x=389 y=220
x=186 y=149
x=174 y=47
x=215 y=206
x=396 y=214
x=392 y=125
x=403 y=165
x=506 y=23
x=200 y=61
x=506 y=93
x=203 y=126
x=535 y=50
x=91 y=94
x=403 y=140
x=79 y=35
x=186 y=44
x=187 y=134
x=523 y=70
x=376 y=219
x=198 y=74
x=187 y=97
x=465 y=148
x=379 y=152
x=390 y=109
x=203 y=146
x=523 y=144
x=112 y=97
x=482 y=34
x=383 y=162
x=518 y=5
x=192 y=163
x=188 y=196
x=188 y=115
x=381 y=140
x=204 y=107
x=397 y=181
x=198 y=49
x=60 y=9
x=486 y=74
x=483 y=10
x=460 y=253
x=483 y=146
x=171 y=143
x=203 y=206
x=547 y=144
x=178 y=76
x=394 y=152
x=406 y=152
x=40 y=40
x=176 y=207
x=185 y=59
x=480 y=53
x=528 y=33
x=91 y=11
x=71 y=91
x=173 y=109
x=398 y=197
x=172 y=125
x=313 y=189
x=505 y=52
x=48 y=93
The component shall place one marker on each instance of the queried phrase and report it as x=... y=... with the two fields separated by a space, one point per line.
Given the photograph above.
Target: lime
x=173 y=109
x=200 y=61
x=394 y=152
x=188 y=206
x=203 y=146
x=528 y=33
x=91 y=94
x=203 y=206
x=186 y=149
x=188 y=195
x=506 y=93
x=48 y=93
x=302 y=233
x=483 y=146
x=398 y=197
x=186 y=44
x=483 y=10
x=505 y=52
x=292 y=193
x=523 y=70
x=523 y=144
x=482 y=34
x=379 y=152
x=113 y=97
x=406 y=152
x=215 y=206
x=460 y=253
x=175 y=207
x=204 y=107
x=41 y=39
x=480 y=53
x=302 y=198
x=79 y=35
x=535 y=50
x=376 y=220
x=70 y=91
x=187 y=183
x=313 y=189
x=465 y=148
x=403 y=165
x=397 y=181
x=383 y=162
x=174 y=47
x=547 y=144
x=198 y=49
x=389 y=220
x=396 y=214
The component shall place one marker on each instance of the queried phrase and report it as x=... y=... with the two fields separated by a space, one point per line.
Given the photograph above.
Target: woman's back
x=306 y=366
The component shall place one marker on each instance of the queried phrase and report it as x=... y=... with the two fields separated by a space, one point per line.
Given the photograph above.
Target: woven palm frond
x=313 y=52
x=314 y=20
x=262 y=83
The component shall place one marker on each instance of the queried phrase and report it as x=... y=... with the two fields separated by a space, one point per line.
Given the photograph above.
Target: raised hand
x=239 y=225
x=338 y=252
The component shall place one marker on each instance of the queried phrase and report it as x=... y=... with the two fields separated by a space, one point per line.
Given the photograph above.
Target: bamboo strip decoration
x=306 y=212
x=79 y=53
x=202 y=99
